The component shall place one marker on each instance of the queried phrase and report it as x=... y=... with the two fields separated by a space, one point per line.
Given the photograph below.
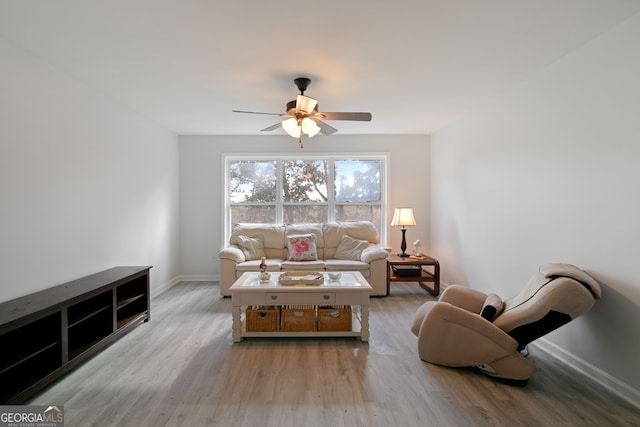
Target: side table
x=429 y=275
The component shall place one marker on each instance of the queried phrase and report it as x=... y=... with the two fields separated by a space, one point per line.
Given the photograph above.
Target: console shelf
x=45 y=334
x=123 y=303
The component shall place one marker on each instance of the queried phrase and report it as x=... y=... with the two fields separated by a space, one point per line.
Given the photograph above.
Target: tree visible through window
x=293 y=190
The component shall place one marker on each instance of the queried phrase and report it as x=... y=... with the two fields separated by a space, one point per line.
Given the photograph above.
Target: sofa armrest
x=233 y=253
x=372 y=253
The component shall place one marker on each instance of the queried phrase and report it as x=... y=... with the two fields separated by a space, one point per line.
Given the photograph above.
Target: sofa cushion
x=302 y=247
x=252 y=247
x=254 y=266
x=318 y=265
x=361 y=230
x=345 y=265
x=315 y=229
x=350 y=248
x=272 y=234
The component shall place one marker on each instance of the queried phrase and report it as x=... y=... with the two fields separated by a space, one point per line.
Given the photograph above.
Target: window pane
x=357 y=181
x=305 y=213
x=293 y=190
x=265 y=214
x=305 y=181
x=252 y=181
x=373 y=213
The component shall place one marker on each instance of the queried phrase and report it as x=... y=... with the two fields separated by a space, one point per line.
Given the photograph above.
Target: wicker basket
x=334 y=318
x=263 y=319
x=298 y=318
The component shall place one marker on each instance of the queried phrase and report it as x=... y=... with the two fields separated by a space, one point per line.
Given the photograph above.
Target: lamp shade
x=403 y=217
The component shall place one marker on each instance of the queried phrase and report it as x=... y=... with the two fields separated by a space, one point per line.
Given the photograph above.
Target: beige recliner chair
x=466 y=327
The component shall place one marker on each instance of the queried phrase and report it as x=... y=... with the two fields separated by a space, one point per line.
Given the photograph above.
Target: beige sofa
x=358 y=251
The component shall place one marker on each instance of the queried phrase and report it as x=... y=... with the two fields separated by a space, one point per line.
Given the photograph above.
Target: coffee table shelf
x=352 y=289
x=356 y=331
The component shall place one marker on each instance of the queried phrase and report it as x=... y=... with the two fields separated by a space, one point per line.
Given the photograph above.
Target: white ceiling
x=416 y=65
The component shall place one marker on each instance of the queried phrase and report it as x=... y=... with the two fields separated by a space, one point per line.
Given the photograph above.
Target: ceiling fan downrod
x=302 y=83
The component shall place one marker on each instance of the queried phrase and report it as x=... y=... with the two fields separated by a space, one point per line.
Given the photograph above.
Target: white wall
x=85 y=184
x=549 y=172
x=201 y=177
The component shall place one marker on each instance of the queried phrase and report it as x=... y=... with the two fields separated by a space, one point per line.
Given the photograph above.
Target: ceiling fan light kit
x=297 y=127
x=291 y=127
x=303 y=118
x=309 y=127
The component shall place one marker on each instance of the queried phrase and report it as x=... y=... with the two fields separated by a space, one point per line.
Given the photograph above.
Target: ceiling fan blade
x=255 y=112
x=361 y=117
x=325 y=129
x=306 y=104
x=272 y=127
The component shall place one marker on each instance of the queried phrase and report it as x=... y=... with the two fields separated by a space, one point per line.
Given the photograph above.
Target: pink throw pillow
x=302 y=247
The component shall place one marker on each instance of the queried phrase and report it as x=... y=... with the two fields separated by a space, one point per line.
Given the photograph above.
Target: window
x=289 y=190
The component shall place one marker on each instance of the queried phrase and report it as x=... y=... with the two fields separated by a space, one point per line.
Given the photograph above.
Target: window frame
x=384 y=159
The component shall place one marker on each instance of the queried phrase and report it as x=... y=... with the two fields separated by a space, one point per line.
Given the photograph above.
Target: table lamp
x=403 y=217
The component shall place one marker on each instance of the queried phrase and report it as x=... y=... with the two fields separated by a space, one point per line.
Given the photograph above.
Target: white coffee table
x=352 y=289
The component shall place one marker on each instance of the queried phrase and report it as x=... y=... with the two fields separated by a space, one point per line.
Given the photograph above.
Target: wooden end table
x=429 y=275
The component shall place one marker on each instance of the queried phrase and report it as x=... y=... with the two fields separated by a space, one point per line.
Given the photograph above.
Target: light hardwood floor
x=182 y=369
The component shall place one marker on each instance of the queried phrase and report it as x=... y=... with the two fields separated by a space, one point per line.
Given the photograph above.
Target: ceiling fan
x=303 y=117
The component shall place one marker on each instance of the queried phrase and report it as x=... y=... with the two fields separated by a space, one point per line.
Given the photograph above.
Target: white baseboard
x=613 y=384
x=157 y=290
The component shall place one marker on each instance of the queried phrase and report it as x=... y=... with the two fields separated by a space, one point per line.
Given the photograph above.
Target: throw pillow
x=252 y=247
x=302 y=247
x=350 y=248
x=492 y=307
